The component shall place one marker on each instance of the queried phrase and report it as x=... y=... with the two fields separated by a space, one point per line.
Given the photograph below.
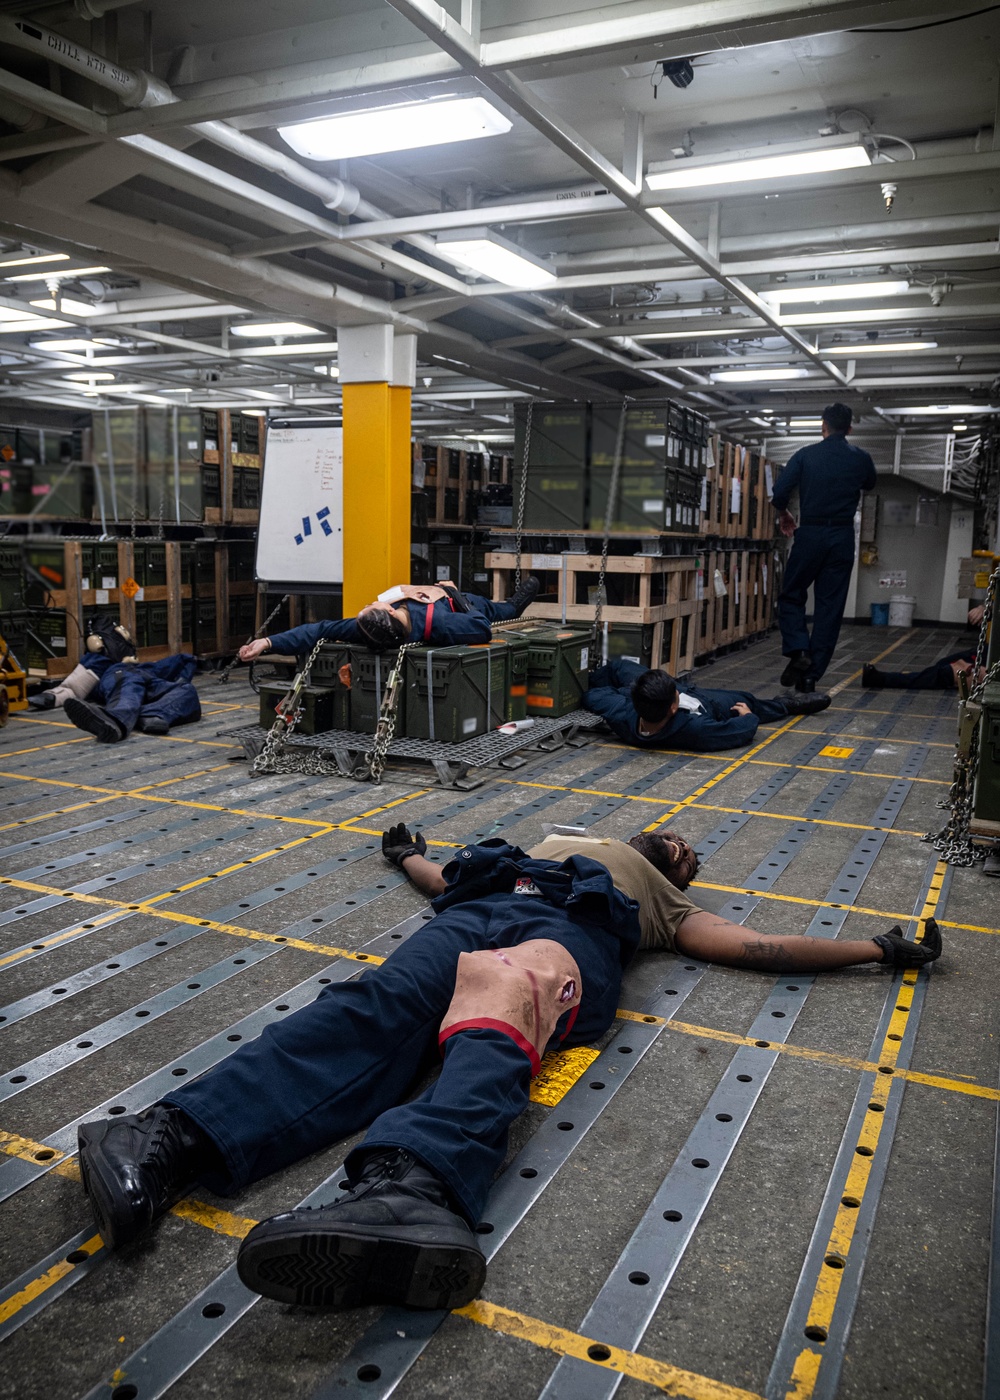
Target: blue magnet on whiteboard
x=298 y=539
x=326 y=527
x=322 y=514
x=306 y=527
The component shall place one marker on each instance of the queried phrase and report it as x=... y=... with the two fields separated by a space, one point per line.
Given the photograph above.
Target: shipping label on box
x=736 y=497
x=895 y=578
x=768 y=480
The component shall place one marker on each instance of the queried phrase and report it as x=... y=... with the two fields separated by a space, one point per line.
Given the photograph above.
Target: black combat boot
x=526 y=594
x=870 y=677
x=134 y=1167
x=798 y=664
x=900 y=952
x=392 y=1238
x=95 y=720
x=805 y=704
x=44 y=701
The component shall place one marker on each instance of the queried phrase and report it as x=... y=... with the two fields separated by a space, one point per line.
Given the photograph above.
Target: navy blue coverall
x=937 y=676
x=610 y=696
x=350 y=1058
x=435 y=623
x=830 y=475
x=137 y=691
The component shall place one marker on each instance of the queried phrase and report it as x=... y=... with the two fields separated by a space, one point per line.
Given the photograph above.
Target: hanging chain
x=376 y=756
x=272 y=758
x=522 y=493
x=609 y=516
x=224 y=675
x=953 y=841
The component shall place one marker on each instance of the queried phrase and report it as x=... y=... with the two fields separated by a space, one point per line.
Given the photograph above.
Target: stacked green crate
x=332 y=670
x=456 y=693
x=558 y=662
x=369 y=675
x=645 y=483
x=11 y=577
x=119 y=464
x=559 y=451
x=318 y=708
x=518 y=649
x=631 y=642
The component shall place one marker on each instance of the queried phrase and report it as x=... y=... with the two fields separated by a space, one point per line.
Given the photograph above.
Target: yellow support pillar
x=377 y=470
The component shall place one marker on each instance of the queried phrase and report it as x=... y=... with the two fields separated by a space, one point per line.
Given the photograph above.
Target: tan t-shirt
x=662 y=906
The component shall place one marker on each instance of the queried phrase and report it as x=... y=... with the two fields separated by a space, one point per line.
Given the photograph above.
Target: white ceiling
x=198 y=235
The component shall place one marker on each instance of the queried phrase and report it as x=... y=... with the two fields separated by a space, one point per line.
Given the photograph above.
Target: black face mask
x=107 y=637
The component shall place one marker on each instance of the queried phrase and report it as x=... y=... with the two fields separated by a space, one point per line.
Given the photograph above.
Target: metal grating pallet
x=451 y=762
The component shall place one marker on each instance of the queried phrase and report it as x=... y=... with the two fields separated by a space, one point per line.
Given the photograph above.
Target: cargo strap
x=953 y=839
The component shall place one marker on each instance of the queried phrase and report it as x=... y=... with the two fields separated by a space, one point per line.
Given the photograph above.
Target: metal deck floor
x=836 y=1239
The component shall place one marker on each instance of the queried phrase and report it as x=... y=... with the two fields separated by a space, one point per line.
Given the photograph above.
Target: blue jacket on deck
x=610 y=696
x=830 y=475
x=433 y=623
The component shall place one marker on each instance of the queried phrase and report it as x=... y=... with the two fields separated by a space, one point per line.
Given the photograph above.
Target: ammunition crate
x=45 y=638
x=246 y=491
x=105 y=573
x=11 y=577
x=241 y=560
x=151 y=566
x=644 y=497
x=65 y=491
x=46 y=563
x=332 y=670
x=986 y=800
x=630 y=642
x=318 y=708
x=455 y=693
x=369 y=673
x=555 y=499
x=211 y=488
x=15 y=488
x=518 y=648
x=558 y=663
x=242 y=611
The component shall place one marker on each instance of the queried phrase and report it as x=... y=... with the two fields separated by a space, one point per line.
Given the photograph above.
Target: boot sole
x=795 y=669
x=115 y=1220
x=103 y=730
x=351 y=1268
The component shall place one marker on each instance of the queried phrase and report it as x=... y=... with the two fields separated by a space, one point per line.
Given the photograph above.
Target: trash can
x=901 y=610
x=880 y=614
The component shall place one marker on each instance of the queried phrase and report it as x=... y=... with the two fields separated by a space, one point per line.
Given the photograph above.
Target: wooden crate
x=669 y=579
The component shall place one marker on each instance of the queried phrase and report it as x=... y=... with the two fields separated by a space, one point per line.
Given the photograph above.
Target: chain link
x=272 y=758
x=522 y=492
x=224 y=675
x=376 y=756
x=953 y=840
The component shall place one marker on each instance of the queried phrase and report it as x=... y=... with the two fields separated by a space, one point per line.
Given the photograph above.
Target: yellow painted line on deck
x=721 y=776
x=171 y=738
x=223 y=1222
x=670 y=1380
x=826 y=904
x=806 y=1369
x=59 y=812
x=842 y=685
x=951 y=1084
x=45 y=1281
x=854 y=772
x=40 y=748
x=191 y=919
x=884 y=739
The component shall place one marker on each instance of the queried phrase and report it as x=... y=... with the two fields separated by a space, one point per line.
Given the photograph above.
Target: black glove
x=397 y=844
x=900 y=952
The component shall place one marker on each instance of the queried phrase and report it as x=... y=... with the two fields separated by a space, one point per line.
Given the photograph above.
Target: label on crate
x=101 y=595
x=58 y=642
x=469 y=725
x=194 y=444
x=699 y=585
x=704 y=495
x=736 y=497
x=763 y=569
x=768 y=480
x=109 y=581
x=442 y=571
x=656 y=439
x=584 y=658
x=651 y=507
x=669 y=516
x=85 y=583
x=720 y=584
x=545 y=561
x=712 y=464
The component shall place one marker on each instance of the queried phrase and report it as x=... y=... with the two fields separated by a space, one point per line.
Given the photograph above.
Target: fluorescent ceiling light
x=836 y=291
x=488 y=254
x=57 y=273
x=31 y=323
x=331 y=370
x=959 y=427
x=404 y=127
x=881 y=347
x=88 y=376
x=963 y=410
x=320 y=347
x=70 y=344
x=37 y=258
x=273 y=328
x=848 y=318
x=805 y=422
x=687 y=173
x=67 y=304
x=756 y=376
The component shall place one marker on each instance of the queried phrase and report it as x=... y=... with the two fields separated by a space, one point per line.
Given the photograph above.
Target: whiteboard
x=300 y=539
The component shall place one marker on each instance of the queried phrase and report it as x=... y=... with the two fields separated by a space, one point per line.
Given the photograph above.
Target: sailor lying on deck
x=525 y=954
x=650 y=710
x=438 y=614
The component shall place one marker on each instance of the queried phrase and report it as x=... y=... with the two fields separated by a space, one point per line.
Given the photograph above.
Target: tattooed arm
x=709 y=936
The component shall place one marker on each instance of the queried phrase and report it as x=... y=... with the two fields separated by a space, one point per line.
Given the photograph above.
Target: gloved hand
x=900 y=952
x=397 y=844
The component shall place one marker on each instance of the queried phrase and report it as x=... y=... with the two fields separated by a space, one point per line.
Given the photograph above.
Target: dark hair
x=380 y=629
x=838 y=416
x=652 y=845
x=653 y=696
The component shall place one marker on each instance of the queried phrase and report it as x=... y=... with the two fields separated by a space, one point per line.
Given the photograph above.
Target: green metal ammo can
x=318 y=703
x=332 y=669
x=456 y=693
x=558 y=662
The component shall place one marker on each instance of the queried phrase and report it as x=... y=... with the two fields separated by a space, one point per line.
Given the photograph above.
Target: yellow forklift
x=13 y=684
